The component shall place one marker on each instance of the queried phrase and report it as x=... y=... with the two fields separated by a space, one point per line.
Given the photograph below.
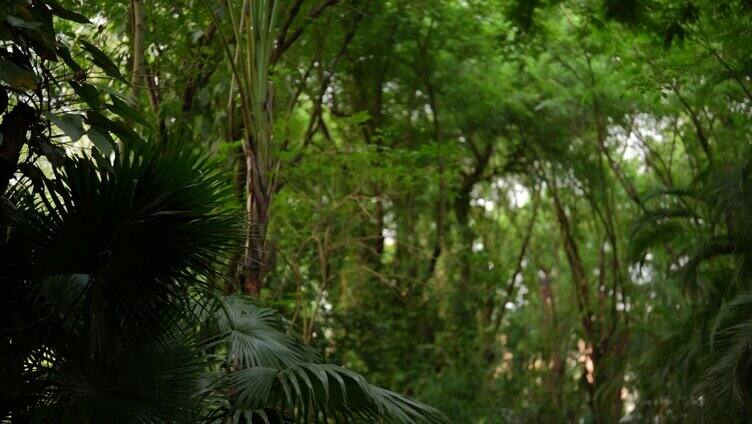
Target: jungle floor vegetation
x=507 y=211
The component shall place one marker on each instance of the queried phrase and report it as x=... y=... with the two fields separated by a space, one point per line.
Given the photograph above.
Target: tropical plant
x=708 y=225
x=110 y=313
x=521 y=211
x=52 y=84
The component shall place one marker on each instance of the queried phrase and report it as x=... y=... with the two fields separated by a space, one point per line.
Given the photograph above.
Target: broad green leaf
x=34 y=174
x=63 y=52
x=359 y=118
x=105 y=124
x=54 y=154
x=88 y=93
x=101 y=59
x=125 y=111
x=44 y=44
x=71 y=124
x=20 y=79
x=226 y=147
x=66 y=14
x=113 y=92
x=20 y=23
x=102 y=141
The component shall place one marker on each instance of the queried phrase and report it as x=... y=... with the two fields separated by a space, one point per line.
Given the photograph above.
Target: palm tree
x=710 y=226
x=111 y=313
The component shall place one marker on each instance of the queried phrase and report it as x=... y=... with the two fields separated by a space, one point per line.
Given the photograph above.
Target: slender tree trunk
x=255 y=258
x=139 y=46
x=441 y=201
x=557 y=367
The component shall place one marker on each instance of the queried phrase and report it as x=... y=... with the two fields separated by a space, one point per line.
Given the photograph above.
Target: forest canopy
x=391 y=211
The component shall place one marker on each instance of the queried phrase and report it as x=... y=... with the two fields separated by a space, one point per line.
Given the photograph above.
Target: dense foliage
x=514 y=211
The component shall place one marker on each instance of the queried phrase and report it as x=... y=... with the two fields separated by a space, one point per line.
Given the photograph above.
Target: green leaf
x=33 y=173
x=20 y=79
x=100 y=121
x=226 y=147
x=359 y=118
x=54 y=154
x=66 y=14
x=87 y=92
x=64 y=53
x=102 y=141
x=43 y=43
x=20 y=23
x=101 y=59
x=70 y=124
x=274 y=365
x=125 y=111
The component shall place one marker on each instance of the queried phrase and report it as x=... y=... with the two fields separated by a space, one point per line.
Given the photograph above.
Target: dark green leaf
x=101 y=122
x=43 y=44
x=88 y=93
x=101 y=59
x=20 y=23
x=102 y=141
x=20 y=79
x=63 y=52
x=33 y=173
x=54 y=154
x=125 y=111
x=71 y=124
x=66 y=14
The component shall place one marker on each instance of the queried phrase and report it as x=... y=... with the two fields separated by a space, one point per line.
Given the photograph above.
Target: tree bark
x=139 y=45
x=257 y=201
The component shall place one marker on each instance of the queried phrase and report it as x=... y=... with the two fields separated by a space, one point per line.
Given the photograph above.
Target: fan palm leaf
x=268 y=369
x=111 y=317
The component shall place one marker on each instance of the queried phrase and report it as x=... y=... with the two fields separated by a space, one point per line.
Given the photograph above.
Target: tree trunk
x=255 y=259
x=139 y=46
x=254 y=264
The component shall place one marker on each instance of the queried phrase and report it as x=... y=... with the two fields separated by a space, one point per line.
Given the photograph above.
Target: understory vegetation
x=378 y=211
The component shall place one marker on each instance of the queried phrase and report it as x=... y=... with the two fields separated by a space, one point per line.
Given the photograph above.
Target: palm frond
x=727 y=379
x=310 y=391
x=710 y=249
x=255 y=336
x=110 y=265
x=271 y=370
x=140 y=229
x=731 y=311
x=150 y=385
